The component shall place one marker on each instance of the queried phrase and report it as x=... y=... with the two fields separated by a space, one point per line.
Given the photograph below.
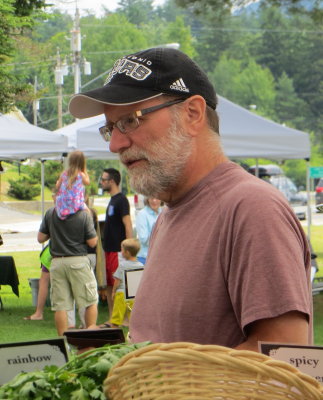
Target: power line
x=200 y=28
x=256 y=30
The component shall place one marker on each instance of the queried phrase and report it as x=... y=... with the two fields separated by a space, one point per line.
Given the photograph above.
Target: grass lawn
x=13 y=328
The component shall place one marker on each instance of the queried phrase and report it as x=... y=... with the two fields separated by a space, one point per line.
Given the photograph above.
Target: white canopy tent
x=247 y=135
x=84 y=135
x=20 y=140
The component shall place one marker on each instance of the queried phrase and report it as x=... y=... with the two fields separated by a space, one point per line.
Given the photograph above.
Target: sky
x=94 y=5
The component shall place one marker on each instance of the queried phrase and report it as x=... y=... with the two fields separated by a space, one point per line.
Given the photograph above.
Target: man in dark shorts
x=117 y=226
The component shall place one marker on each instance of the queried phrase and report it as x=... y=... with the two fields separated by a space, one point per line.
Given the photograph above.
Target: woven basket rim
x=257 y=364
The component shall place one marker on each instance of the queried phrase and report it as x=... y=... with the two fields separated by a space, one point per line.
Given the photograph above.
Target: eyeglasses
x=130 y=122
x=105 y=179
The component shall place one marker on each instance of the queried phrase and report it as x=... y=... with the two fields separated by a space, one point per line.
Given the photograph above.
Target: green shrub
x=53 y=170
x=23 y=189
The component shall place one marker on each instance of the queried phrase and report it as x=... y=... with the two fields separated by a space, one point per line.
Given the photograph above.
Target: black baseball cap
x=142 y=76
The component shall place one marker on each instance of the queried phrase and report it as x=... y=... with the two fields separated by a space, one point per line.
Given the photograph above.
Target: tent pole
x=309 y=208
x=42 y=188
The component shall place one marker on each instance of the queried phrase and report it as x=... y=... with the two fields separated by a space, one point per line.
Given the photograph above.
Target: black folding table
x=8 y=275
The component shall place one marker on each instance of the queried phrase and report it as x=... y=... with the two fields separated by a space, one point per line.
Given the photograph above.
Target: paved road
x=19 y=229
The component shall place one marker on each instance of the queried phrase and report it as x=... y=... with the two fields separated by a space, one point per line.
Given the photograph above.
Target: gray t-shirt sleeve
x=90 y=231
x=118 y=274
x=44 y=226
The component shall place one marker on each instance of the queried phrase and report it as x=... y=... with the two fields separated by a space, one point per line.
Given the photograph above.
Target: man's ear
x=195 y=116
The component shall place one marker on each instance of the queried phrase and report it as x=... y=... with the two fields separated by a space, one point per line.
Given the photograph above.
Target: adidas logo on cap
x=179 y=85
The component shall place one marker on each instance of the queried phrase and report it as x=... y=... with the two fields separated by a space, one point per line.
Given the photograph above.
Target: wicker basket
x=178 y=371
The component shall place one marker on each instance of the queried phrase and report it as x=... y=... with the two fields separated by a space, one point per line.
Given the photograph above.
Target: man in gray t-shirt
x=71 y=275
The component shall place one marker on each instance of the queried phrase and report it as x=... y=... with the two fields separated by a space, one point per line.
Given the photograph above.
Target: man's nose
x=119 y=141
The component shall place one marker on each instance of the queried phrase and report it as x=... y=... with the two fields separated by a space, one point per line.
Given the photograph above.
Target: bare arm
x=115 y=286
x=58 y=183
x=291 y=327
x=42 y=237
x=92 y=242
x=128 y=226
x=85 y=178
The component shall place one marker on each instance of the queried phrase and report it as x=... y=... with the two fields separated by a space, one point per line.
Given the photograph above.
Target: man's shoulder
x=120 y=197
x=81 y=215
x=50 y=212
x=119 y=200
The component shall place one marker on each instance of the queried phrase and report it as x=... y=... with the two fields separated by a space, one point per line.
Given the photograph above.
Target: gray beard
x=166 y=160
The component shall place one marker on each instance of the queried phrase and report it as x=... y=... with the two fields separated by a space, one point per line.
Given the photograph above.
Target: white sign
x=30 y=356
x=132 y=280
x=308 y=359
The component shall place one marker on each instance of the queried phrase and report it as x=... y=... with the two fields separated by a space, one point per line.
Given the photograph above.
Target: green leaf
x=27 y=390
x=97 y=394
x=79 y=394
x=102 y=366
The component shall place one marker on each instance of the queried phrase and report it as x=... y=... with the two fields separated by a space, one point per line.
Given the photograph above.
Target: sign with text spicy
x=308 y=359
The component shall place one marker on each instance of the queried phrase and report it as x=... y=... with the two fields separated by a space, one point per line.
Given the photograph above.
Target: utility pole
x=76 y=47
x=61 y=70
x=76 y=50
x=35 y=102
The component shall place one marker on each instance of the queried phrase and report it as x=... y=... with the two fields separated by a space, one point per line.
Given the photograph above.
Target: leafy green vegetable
x=79 y=379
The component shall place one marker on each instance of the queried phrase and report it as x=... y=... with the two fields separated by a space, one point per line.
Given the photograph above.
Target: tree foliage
x=290 y=109
x=15 y=19
x=137 y=12
x=24 y=8
x=23 y=189
x=247 y=84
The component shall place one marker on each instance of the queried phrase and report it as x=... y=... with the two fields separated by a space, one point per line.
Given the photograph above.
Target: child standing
x=70 y=186
x=121 y=306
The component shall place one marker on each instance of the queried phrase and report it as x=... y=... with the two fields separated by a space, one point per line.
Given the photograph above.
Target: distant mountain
x=253 y=6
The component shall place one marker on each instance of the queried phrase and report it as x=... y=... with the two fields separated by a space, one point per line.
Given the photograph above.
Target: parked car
x=265 y=171
x=275 y=175
x=289 y=189
x=319 y=192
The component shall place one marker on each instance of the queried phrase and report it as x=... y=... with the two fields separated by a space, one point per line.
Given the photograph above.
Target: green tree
x=275 y=50
x=256 y=85
x=23 y=189
x=10 y=85
x=224 y=74
x=137 y=12
x=16 y=17
x=296 y=171
x=24 y=8
x=290 y=109
x=246 y=85
x=53 y=170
